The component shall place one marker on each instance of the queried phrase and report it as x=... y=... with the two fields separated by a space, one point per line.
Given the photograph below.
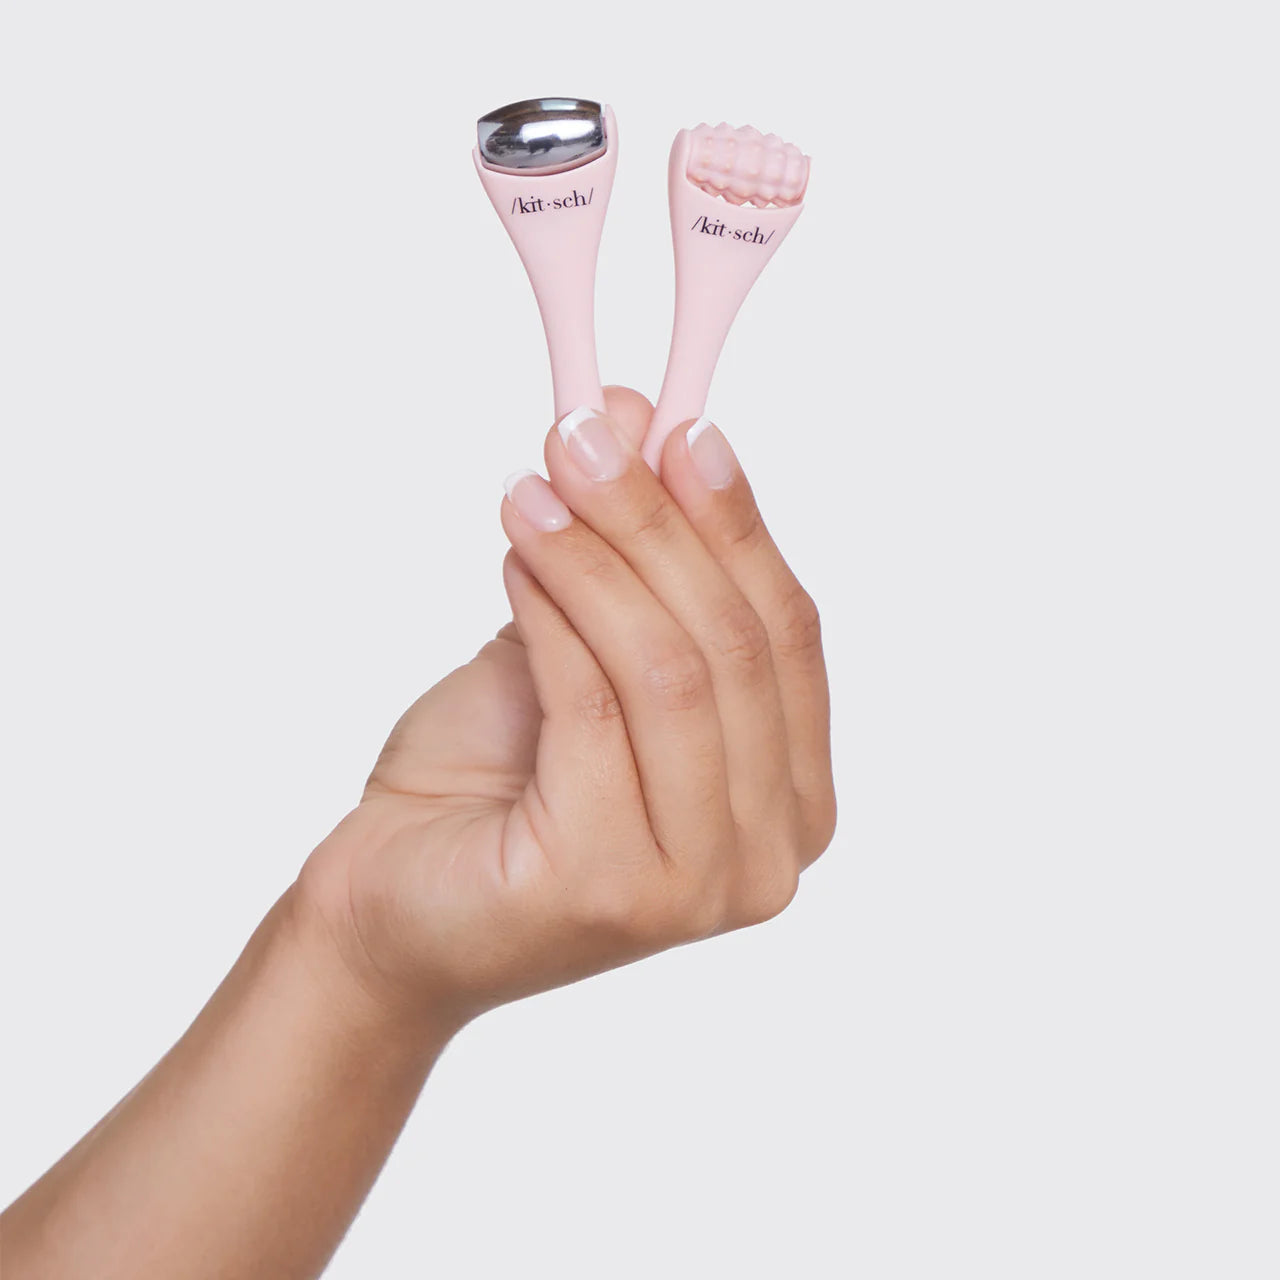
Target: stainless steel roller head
x=542 y=134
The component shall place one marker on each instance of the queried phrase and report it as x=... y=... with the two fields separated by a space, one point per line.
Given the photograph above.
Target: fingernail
x=535 y=501
x=711 y=453
x=596 y=449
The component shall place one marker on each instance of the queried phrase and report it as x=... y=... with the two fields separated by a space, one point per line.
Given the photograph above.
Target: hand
x=639 y=759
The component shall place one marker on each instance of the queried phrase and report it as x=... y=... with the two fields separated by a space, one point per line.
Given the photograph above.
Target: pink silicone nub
x=555 y=220
x=746 y=166
x=721 y=246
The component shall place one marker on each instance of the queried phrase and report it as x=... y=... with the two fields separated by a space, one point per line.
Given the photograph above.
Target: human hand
x=639 y=759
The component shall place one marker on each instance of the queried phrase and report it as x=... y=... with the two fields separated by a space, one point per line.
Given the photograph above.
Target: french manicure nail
x=596 y=449
x=711 y=453
x=535 y=501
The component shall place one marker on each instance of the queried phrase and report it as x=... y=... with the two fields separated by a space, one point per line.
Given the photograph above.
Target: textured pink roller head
x=746 y=166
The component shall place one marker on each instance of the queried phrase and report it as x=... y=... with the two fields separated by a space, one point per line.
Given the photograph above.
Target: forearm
x=247 y=1151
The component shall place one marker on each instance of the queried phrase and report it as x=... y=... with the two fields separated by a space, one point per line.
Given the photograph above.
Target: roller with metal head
x=544 y=135
x=547 y=165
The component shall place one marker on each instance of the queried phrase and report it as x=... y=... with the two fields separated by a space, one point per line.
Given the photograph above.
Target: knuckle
x=702 y=910
x=821 y=826
x=599 y=704
x=771 y=891
x=799 y=628
x=595 y=566
x=652 y=517
x=746 y=532
x=741 y=637
x=677 y=679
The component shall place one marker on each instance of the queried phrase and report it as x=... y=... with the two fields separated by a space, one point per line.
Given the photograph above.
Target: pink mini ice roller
x=547 y=165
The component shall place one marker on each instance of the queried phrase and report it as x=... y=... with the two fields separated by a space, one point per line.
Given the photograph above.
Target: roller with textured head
x=746 y=166
x=734 y=193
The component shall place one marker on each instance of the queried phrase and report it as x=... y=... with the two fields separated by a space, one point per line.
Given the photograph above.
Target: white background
x=1009 y=398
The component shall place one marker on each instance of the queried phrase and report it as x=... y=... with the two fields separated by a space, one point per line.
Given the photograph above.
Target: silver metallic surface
x=542 y=134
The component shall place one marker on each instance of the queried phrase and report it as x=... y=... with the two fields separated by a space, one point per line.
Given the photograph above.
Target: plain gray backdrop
x=1009 y=398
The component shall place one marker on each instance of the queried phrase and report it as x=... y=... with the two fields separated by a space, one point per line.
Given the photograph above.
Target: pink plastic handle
x=720 y=249
x=555 y=220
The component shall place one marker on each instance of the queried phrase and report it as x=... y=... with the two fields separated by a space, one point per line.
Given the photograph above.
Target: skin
x=639 y=759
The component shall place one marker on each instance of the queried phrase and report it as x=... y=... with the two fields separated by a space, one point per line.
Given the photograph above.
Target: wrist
x=361 y=1002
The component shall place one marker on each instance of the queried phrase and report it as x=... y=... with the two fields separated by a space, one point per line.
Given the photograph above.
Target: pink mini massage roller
x=735 y=194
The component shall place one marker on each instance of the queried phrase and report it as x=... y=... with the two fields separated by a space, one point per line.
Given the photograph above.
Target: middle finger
x=606 y=483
